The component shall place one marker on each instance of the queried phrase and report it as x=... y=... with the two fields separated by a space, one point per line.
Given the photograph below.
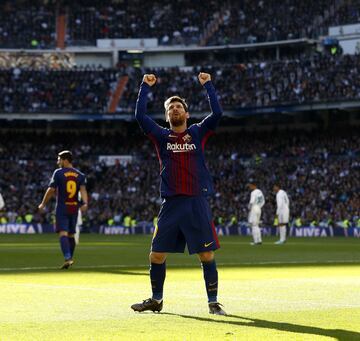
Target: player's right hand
x=149 y=79
x=204 y=77
x=41 y=208
x=83 y=208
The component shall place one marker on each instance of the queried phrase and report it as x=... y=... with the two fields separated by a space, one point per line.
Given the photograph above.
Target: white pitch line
x=125 y=266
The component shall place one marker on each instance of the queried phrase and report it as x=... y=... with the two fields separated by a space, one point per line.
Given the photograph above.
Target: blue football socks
x=72 y=245
x=65 y=247
x=157 y=277
x=211 y=280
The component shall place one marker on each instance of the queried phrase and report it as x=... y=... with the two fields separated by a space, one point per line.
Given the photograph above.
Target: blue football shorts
x=66 y=222
x=185 y=220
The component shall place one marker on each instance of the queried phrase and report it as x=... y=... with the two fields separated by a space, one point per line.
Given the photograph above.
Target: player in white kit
x=257 y=201
x=282 y=212
x=2 y=202
x=79 y=223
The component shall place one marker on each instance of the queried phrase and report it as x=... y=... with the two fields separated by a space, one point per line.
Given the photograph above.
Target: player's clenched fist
x=149 y=79
x=204 y=77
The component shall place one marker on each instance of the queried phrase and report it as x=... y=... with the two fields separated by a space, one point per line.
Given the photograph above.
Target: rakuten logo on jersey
x=180 y=148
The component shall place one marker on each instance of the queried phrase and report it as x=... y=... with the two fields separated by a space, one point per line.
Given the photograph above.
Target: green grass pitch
x=308 y=289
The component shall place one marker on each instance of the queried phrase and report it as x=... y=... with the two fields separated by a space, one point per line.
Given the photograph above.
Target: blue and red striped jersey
x=67 y=182
x=181 y=155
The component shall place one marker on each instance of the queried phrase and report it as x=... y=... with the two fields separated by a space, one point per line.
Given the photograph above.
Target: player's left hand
x=83 y=208
x=204 y=77
x=149 y=79
x=41 y=208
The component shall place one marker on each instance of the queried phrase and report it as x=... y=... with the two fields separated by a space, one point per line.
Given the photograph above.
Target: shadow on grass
x=338 y=334
x=124 y=272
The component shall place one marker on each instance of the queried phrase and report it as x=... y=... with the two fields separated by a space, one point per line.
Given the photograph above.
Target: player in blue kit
x=66 y=182
x=185 y=183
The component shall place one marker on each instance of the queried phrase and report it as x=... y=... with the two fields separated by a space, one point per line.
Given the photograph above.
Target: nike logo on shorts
x=208 y=244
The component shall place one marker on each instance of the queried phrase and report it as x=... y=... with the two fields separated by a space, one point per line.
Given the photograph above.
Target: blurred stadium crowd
x=318 y=170
x=322 y=78
x=245 y=21
x=27 y=90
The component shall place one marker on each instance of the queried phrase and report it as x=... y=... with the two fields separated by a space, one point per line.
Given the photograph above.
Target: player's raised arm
x=145 y=122
x=213 y=119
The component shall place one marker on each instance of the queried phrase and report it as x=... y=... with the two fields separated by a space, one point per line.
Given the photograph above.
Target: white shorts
x=254 y=216
x=283 y=217
x=79 y=221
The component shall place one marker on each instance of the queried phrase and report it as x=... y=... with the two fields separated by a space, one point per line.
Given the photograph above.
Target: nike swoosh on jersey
x=208 y=244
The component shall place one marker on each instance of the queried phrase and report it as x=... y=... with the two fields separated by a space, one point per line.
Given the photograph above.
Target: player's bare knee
x=207 y=256
x=157 y=257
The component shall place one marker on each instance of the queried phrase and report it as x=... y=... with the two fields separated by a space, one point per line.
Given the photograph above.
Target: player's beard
x=177 y=121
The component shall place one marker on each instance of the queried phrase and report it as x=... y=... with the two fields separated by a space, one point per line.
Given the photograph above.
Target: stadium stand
x=217 y=23
x=78 y=90
x=248 y=22
x=171 y=22
x=347 y=13
x=318 y=170
x=308 y=80
x=321 y=78
x=34 y=23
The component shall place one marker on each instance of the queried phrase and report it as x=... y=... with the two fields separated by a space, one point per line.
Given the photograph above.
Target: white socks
x=282 y=230
x=256 y=234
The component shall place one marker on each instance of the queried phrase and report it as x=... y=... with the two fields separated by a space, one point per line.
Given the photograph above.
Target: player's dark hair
x=175 y=99
x=66 y=155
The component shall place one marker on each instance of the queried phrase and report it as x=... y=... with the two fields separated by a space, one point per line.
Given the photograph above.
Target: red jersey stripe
x=183 y=174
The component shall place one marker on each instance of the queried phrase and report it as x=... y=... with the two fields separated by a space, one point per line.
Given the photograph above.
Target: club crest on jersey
x=187 y=138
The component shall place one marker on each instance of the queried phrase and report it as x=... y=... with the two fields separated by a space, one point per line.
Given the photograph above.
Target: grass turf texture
x=308 y=289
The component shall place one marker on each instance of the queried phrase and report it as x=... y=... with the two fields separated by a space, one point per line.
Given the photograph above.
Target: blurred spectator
x=347 y=13
x=27 y=24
